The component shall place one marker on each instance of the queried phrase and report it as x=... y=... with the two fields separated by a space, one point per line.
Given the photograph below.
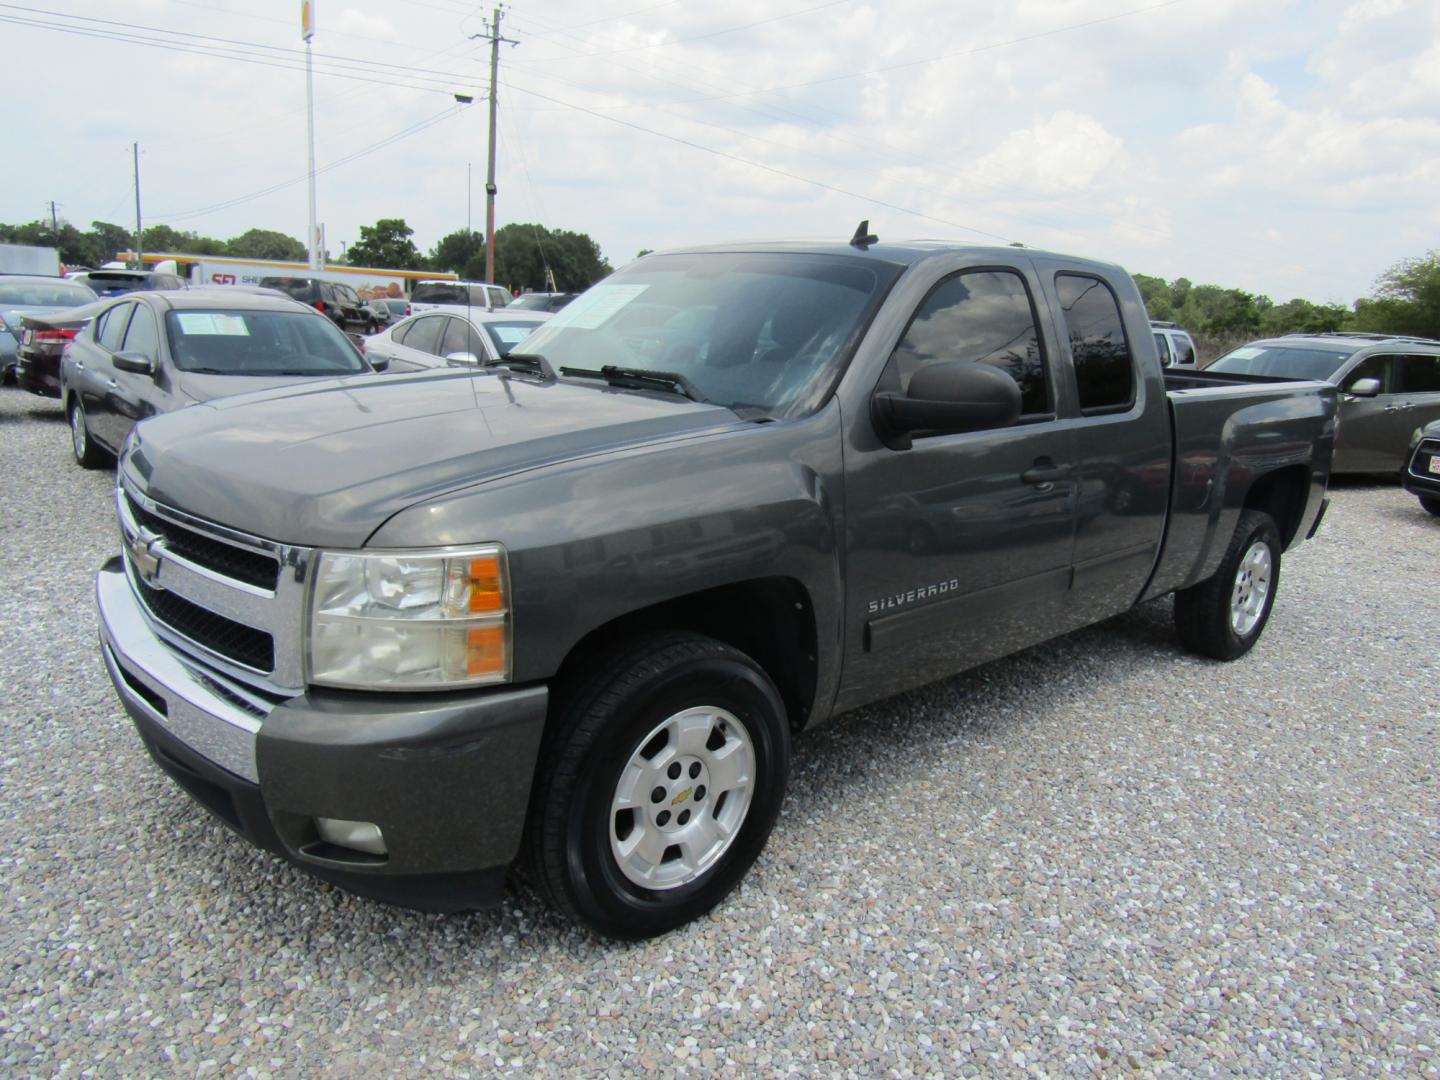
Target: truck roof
x=898 y=253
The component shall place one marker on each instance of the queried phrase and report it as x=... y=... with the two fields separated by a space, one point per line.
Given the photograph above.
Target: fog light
x=357 y=835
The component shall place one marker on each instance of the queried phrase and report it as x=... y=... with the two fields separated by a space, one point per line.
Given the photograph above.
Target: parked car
x=542 y=301
x=1422 y=472
x=434 y=339
x=156 y=352
x=43 y=343
x=572 y=615
x=114 y=282
x=457 y=296
x=389 y=309
x=335 y=300
x=1390 y=387
x=1175 y=346
x=26 y=295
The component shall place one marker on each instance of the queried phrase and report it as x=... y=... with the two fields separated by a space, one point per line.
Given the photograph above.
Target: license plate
x=1435 y=464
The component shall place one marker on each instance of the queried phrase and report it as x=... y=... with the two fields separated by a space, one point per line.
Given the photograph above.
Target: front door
x=959 y=546
x=134 y=395
x=1370 y=426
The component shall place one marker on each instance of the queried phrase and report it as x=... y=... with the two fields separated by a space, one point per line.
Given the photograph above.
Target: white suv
x=457 y=296
x=1175 y=346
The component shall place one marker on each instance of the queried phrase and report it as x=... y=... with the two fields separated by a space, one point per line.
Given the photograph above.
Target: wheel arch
x=1281 y=494
x=771 y=620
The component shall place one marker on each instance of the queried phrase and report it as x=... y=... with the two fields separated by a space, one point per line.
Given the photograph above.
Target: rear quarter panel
x=1227 y=437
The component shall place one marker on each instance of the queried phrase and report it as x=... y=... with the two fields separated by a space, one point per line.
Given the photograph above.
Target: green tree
x=166 y=238
x=523 y=251
x=1406 y=299
x=461 y=252
x=1303 y=317
x=266 y=244
x=109 y=240
x=386 y=244
x=643 y=252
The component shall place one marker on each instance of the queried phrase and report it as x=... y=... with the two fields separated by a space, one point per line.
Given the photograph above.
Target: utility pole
x=54 y=223
x=307 y=31
x=139 y=251
x=495 y=39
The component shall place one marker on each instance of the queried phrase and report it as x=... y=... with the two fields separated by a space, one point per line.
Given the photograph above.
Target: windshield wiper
x=531 y=362
x=640 y=379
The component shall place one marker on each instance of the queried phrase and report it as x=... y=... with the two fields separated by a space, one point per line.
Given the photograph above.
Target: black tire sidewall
x=1263 y=528
x=603 y=896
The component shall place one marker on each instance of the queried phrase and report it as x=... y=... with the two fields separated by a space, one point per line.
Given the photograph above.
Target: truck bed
x=1233 y=432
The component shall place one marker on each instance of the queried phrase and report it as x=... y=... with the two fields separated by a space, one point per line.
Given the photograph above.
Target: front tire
x=659 y=783
x=87 y=454
x=1431 y=504
x=1223 y=616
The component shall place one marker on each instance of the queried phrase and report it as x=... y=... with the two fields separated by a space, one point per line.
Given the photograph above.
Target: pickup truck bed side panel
x=592 y=541
x=1258 y=433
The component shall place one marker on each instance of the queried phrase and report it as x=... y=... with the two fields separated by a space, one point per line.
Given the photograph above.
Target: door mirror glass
x=950 y=396
x=1364 y=387
x=139 y=363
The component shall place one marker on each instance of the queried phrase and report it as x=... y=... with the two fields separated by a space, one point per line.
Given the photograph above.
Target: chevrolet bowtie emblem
x=144 y=558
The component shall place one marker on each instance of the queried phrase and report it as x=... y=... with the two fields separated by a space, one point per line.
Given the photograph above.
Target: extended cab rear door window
x=986 y=317
x=1104 y=370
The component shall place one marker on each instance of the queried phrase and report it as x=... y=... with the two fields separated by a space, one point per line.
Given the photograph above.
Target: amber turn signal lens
x=485 y=584
x=485 y=651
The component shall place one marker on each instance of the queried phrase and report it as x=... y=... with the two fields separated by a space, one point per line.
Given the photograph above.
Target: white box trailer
x=42 y=261
x=370 y=282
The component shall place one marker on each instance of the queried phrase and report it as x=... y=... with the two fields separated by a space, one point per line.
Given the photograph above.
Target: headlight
x=414 y=620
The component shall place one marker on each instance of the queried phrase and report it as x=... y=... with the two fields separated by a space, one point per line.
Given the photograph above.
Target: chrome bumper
x=215 y=716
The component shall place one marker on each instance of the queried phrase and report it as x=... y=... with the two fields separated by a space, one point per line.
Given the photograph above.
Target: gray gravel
x=1098 y=857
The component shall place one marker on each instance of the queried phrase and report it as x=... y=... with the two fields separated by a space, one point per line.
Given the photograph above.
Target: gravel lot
x=1098 y=857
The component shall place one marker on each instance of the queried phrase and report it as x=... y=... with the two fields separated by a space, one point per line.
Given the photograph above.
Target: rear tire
x=1223 y=616
x=659 y=782
x=1431 y=504
x=87 y=454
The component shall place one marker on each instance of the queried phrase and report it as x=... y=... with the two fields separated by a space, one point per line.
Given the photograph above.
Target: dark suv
x=333 y=299
x=1389 y=388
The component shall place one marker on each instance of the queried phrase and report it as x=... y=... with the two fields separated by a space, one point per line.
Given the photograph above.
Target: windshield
x=259 y=343
x=436 y=292
x=44 y=294
x=1284 y=361
x=768 y=331
x=113 y=284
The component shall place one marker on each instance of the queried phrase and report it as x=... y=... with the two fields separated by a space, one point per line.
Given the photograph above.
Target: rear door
x=1419 y=384
x=416 y=347
x=1123 y=443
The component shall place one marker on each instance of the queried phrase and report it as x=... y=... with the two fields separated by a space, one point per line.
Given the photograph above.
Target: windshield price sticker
x=199 y=323
x=596 y=307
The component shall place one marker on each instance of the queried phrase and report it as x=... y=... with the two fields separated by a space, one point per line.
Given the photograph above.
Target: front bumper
x=445 y=776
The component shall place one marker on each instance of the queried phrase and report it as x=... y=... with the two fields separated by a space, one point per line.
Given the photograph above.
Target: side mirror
x=950 y=396
x=461 y=359
x=378 y=363
x=139 y=363
x=1364 y=388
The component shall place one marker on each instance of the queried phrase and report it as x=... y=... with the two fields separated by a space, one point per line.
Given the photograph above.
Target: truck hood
x=200 y=386
x=326 y=464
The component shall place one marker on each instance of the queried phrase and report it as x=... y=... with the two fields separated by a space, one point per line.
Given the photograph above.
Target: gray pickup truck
x=408 y=631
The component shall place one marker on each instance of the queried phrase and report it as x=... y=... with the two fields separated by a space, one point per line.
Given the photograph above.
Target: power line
x=757 y=165
x=389 y=140
x=273 y=56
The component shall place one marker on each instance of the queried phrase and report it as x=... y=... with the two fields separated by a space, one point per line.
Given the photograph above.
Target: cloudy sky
x=1289 y=148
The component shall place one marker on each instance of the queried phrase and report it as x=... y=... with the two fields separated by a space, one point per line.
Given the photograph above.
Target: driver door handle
x=1044 y=472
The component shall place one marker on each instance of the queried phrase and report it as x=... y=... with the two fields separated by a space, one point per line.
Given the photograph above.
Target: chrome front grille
x=234 y=601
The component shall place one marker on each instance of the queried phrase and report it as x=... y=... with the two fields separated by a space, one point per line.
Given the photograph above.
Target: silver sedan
x=434 y=339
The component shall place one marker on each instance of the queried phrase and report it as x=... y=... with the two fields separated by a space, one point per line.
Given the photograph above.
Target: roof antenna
x=863 y=237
